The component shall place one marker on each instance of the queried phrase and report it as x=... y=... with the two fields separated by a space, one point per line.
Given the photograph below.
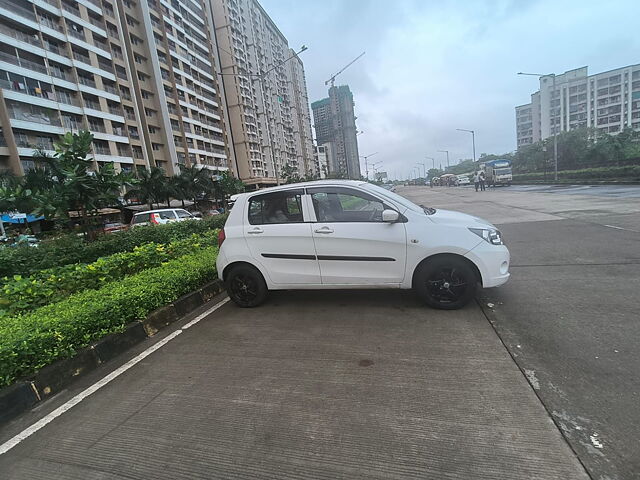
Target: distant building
x=269 y=118
x=335 y=124
x=322 y=159
x=139 y=75
x=608 y=101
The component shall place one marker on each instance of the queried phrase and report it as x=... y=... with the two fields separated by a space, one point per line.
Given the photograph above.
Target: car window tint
x=183 y=214
x=346 y=206
x=277 y=207
x=143 y=217
x=166 y=214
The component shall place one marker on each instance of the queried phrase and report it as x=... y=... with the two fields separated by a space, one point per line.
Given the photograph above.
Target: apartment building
x=265 y=91
x=137 y=73
x=607 y=101
x=322 y=159
x=335 y=124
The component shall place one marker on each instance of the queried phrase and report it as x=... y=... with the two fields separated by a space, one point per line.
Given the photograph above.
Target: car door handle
x=324 y=230
x=255 y=230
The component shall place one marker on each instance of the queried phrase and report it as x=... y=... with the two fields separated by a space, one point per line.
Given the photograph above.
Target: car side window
x=144 y=217
x=167 y=215
x=345 y=205
x=183 y=214
x=276 y=207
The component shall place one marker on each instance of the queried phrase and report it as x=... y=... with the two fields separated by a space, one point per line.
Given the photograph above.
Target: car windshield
x=398 y=199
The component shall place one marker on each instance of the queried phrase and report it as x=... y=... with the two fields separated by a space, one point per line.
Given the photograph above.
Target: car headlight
x=491 y=235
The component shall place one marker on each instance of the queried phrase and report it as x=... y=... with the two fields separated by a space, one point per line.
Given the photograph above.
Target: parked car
x=162 y=216
x=349 y=234
x=463 y=180
x=114 y=227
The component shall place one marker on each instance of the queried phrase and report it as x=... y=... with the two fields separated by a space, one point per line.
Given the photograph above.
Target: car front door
x=353 y=245
x=280 y=239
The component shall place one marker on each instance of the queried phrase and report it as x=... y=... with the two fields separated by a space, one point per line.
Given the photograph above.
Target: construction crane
x=333 y=77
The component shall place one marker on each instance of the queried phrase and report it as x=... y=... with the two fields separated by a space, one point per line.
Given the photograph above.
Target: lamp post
x=374 y=166
x=433 y=161
x=555 y=138
x=473 y=140
x=424 y=167
x=366 y=165
x=447 y=152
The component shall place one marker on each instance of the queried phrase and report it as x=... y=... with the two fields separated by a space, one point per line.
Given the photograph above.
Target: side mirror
x=390 y=216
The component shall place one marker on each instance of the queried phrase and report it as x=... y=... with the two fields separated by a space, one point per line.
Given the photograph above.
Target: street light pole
x=366 y=165
x=555 y=132
x=433 y=162
x=447 y=152
x=473 y=141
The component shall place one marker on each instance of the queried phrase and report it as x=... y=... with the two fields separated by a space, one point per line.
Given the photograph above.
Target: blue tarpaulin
x=12 y=218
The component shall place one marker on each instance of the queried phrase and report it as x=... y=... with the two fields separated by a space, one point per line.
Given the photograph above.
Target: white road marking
x=620 y=228
x=26 y=433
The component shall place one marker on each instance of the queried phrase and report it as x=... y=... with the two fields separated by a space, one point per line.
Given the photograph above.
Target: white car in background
x=463 y=180
x=162 y=216
x=334 y=234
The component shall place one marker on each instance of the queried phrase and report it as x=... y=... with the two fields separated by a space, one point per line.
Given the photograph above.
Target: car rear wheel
x=446 y=283
x=246 y=286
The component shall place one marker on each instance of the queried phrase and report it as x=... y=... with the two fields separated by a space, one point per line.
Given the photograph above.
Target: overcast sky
x=434 y=65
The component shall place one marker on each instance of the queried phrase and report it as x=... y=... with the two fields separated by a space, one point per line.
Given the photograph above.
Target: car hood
x=449 y=217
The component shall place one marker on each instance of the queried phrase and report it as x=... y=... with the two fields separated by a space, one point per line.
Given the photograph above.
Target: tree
x=290 y=174
x=230 y=185
x=149 y=187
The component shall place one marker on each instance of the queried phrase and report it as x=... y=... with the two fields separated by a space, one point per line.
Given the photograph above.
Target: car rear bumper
x=493 y=261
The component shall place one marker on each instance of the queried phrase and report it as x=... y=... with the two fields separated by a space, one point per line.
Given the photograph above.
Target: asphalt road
x=569 y=315
x=313 y=385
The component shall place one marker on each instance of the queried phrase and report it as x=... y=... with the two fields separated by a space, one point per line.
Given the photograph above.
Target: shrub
x=32 y=341
x=629 y=172
x=72 y=249
x=20 y=294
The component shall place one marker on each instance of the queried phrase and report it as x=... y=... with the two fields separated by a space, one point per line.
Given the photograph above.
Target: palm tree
x=149 y=187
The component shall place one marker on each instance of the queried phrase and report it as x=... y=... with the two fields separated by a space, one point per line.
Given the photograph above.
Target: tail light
x=221 y=237
x=155 y=217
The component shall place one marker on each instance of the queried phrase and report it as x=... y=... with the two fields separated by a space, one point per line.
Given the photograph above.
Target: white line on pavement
x=620 y=228
x=9 y=444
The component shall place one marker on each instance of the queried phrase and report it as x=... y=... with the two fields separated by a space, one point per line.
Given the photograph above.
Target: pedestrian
x=476 y=180
x=482 y=181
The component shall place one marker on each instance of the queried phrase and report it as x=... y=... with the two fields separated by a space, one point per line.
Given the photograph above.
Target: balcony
x=101 y=150
x=110 y=89
x=96 y=127
x=98 y=22
x=86 y=81
x=34 y=116
x=71 y=9
x=92 y=105
x=116 y=111
x=75 y=34
x=21 y=36
x=81 y=57
x=23 y=12
x=28 y=64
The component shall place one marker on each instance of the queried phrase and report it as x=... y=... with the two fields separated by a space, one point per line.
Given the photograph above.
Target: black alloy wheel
x=246 y=286
x=446 y=283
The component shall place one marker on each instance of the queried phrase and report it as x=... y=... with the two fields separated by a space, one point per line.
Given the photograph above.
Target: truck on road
x=497 y=172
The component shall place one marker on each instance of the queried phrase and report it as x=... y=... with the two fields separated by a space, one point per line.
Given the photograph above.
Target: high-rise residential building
x=138 y=74
x=607 y=101
x=265 y=91
x=335 y=124
x=322 y=159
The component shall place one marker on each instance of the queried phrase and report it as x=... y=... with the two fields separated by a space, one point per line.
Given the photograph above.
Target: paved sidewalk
x=312 y=385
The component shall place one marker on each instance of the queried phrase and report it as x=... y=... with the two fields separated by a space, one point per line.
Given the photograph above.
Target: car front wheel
x=246 y=286
x=446 y=283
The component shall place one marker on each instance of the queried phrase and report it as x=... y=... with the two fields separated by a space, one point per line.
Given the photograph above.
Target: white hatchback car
x=162 y=216
x=337 y=234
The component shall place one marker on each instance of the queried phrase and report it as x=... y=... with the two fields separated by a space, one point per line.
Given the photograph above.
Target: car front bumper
x=493 y=261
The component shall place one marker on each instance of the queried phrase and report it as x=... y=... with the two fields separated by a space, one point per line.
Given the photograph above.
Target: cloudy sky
x=435 y=65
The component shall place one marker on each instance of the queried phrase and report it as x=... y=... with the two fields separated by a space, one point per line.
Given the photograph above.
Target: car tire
x=446 y=282
x=246 y=286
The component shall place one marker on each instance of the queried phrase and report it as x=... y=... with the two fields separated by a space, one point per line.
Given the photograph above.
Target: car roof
x=159 y=210
x=289 y=186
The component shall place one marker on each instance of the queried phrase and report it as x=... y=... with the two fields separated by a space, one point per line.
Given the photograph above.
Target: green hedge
x=21 y=294
x=629 y=172
x=72 y=249
x=30 y=342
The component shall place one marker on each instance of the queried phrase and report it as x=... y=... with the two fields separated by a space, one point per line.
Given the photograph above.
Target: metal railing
x=86 y=81
x=71 y=9
x=81 y=57
x=18 y=35
x=78 y=35
x=28 y=64
x=23 y=12
x=33 y=116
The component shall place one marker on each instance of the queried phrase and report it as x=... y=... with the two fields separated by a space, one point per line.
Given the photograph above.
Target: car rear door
x=353 y=245
x=278 y=232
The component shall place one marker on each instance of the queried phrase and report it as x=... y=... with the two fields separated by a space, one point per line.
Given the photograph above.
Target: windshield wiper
x=428 y=210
